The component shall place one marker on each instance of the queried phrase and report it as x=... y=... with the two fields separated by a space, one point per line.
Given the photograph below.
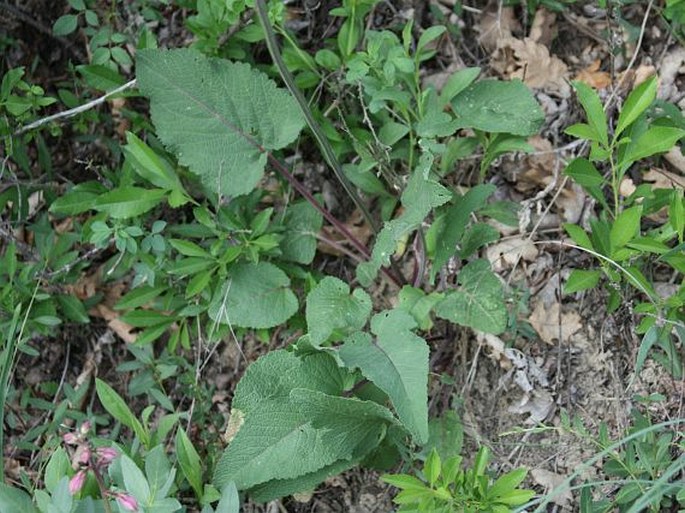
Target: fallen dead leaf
x=626 y=187
x=672 y=65
x=550 y=325
x=495 y=25
x=85 y=287
x=303 y=497
x=496 y=346
x=676 y=159
x=506 y=253
x=531 y=62
x=538 y=404
x=355 y=224
x=630 y=79
x=571 y=202
x=551 y=481
x=542 y=30
x=439 y=79
x=662 y=179
x=593 y=77
x=235 y=422
x=124 y=331
x=539 y=166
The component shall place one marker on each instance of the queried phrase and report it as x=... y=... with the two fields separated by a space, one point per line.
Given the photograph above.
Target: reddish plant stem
x=310 y=198
x=275 y=163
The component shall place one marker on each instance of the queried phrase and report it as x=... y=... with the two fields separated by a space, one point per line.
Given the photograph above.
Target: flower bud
x=77 y=482
x=84 y=456
x=85 y=427
x=70 y=438
x=106 y=455
x=128 y=502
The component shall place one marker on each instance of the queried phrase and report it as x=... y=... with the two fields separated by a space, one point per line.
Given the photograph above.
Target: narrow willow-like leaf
x=128 y=201
x=594 y=111
x=219 y=117
x=456 y=220
x=636 y=103
x=657 y=139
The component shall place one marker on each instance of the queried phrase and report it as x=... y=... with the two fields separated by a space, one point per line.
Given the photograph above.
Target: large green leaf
x=331 y=308
x=13 y=500
x=478 y=302
x=498 y=107
x=397 y=363
x=254 y=296
x=266 y=492
x=295 y=424
x=219 y=117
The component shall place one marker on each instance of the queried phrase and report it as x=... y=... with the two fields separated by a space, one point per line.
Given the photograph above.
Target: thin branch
x=342 y=229
x=638 y=46
x=76 y=110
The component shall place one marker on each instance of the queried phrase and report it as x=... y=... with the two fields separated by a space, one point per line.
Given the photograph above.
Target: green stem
x=614 y=182
x=320 y=137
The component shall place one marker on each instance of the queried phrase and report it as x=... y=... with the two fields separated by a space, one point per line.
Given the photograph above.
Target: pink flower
x=106 y=455
x=70 y=438
x=128 y=502
x=77 y=482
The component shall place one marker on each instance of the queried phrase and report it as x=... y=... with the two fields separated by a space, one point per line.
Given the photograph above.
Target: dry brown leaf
x=662 y=179
x=439 y=79
x=532 y=63
x=626 y=187
x=235 y=422
x=551 y=481
x=571 y=202
x=495 y=25
x=539 y=173
x=506 y=253
x=85 y=287
x=632 y=78
x=538 y=404
x=539 y=166
x=676 y=159
x=546 y=321
x=124 y=331
x=330 y=240
x=672 y=65
x=542 y=29
x=497 y=347
x=118 y=105
x=593 y=77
